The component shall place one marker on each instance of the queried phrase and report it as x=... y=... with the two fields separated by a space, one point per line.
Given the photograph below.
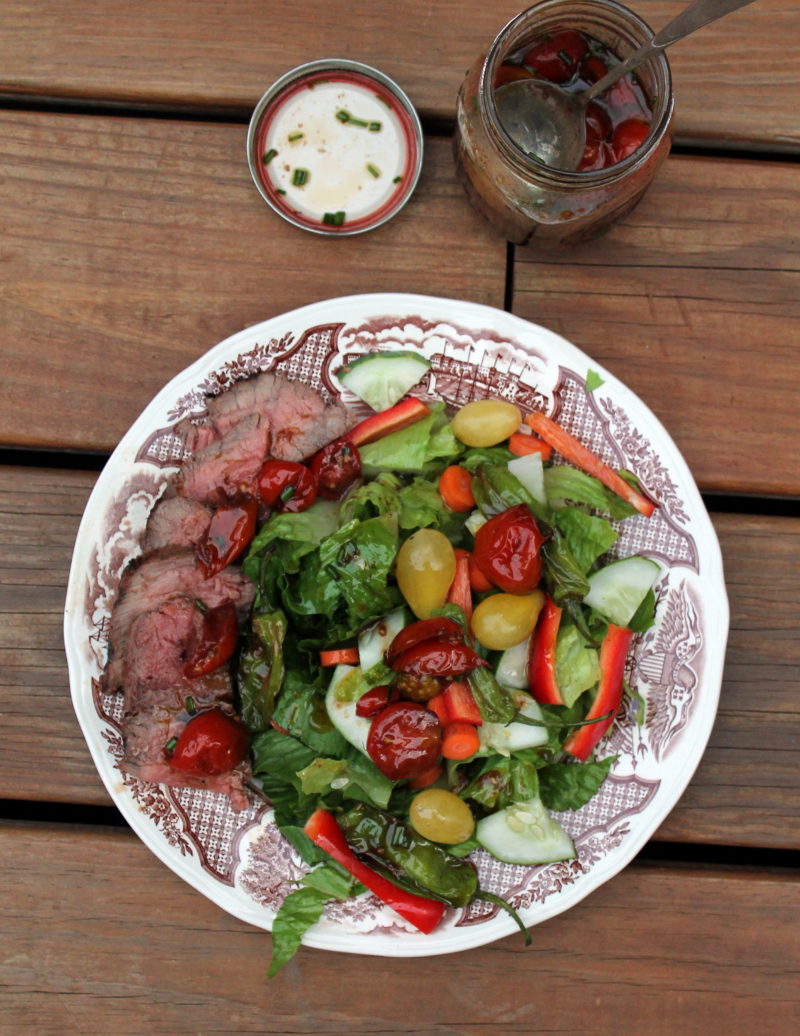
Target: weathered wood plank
x=745 y=791
x=732 y=82
x=131 y=246
x=125 y=946
x=693 y=301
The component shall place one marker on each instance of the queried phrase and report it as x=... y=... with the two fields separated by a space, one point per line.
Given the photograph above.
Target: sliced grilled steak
x=229 y=465
x=176 y=521
x=161 y=577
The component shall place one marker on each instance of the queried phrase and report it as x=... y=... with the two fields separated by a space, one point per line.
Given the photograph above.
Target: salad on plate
x=410 y=640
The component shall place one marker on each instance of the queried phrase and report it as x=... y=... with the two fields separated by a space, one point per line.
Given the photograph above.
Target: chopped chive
x=169 y=747
x=270 y=155
x=566 y=58
x=191 y=707
x=374 y=127
x=296 y=136
x=300 y=177
x=373 y=170
x=287 y=494
x=334 y=219
x=342 y=115
x=200 y=605
x=280 y=190
x=397 y=179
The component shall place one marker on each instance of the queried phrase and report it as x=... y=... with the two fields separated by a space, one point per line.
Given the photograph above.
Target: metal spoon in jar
x=547 y=122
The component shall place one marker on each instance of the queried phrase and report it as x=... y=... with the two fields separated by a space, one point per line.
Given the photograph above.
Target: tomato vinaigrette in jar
x=569 y=42
x=617 y=122
x=335 y=147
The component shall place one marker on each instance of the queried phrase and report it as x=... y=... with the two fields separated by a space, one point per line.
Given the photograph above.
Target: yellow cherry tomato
x=441 y=816
x=503 y=620
x=486 y=422
x=426 y=565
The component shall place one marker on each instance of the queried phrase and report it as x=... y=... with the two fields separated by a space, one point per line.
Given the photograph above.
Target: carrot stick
x=339 y=656
x=575 y=452
x=460 y=741
x=455 y=487
x=521 y=444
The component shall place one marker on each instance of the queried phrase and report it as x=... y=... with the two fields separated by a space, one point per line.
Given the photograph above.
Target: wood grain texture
x=656 y=950
x=131 y=246
x=745 y=791
x=732 y=83
x=694 y=302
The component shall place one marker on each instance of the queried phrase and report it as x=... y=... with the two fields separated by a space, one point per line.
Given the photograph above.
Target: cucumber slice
x=381 y=379
x=525 y=833
x=346 y=687
x=374 y=640
x=505 y=738
x=475 y=520
x=530 y=472
x=512 y=669
x=617 y=590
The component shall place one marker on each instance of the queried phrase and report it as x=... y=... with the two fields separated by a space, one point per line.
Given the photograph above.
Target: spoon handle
x=695 y=16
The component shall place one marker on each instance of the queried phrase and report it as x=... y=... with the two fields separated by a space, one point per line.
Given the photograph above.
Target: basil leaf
x=645 y=615
x=566 y=786
x=299 y=911
x=593 y=381
x=503 y=780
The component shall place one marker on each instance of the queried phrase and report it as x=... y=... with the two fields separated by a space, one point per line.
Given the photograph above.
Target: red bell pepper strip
x=339 y=656
x=459 y=704
x=438 y=658
x=613 y=652
x=425 y=629
x=408 y=411
x=575 y=452
x=424 y=914
x=460 y=591
x=542 y=681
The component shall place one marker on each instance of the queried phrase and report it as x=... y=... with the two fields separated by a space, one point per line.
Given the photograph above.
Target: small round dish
x=335 y=147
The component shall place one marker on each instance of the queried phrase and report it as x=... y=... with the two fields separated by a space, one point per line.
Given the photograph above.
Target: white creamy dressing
x=350 y=168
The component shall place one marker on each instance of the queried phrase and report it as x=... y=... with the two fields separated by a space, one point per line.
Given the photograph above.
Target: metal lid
x=324 y=167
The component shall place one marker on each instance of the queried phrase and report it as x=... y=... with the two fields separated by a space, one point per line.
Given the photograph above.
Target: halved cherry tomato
x=556 y=57
x=596 y=155
x=507 y=550
x=510 y=74
x=229 y=532
x=210 y=744
x=376 y=699
x=404 y=740
x=425 y=629
x=598 y=124
x=593 y=68
x=438 y=658
x=285 y=485
x=336 y=467
x=628 y=137
x=216 y=643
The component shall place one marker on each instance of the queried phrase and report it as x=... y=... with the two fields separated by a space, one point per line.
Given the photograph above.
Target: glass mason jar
x=526 y=200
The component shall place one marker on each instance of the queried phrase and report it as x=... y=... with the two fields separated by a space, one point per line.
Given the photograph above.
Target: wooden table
x=133 y=240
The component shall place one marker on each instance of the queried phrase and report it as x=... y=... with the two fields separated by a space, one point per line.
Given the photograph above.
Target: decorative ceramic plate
x=239 y=860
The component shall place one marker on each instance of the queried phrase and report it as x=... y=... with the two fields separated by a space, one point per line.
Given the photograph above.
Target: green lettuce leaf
x=503 y=780
x=577 y=664
x=587 y=536
x=564 y=786
x=260 y=671
x=412 y=449
x=565 y=483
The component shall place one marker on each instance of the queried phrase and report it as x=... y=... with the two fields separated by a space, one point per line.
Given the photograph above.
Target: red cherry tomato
x=438 y=658
x=628 y=137
x=507 y=550
x=376 y=699
x=336 y=467
x=596 y=155
x=216 y=643
x=404 y=740
x=287 y=486
x=425 y=629
x=598 y=124
x=510 y=74
x=229 y=532
x=557 y=57
x=593 y=68
x=210 y=744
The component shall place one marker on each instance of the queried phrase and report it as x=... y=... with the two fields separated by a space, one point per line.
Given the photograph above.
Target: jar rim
x=575 y=178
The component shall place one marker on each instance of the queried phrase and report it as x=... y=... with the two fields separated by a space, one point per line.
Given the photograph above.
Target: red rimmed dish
x=335 y=147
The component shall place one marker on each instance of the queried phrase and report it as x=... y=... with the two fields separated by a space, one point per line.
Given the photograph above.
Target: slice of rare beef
x=158 y=578
x=176 y=521
x=229 y=465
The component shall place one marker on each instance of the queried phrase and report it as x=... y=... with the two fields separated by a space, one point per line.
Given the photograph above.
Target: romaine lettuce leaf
x=565 y=483
x=577 y=664
x=564 y=786
x=413 y=448
x=587 y=536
